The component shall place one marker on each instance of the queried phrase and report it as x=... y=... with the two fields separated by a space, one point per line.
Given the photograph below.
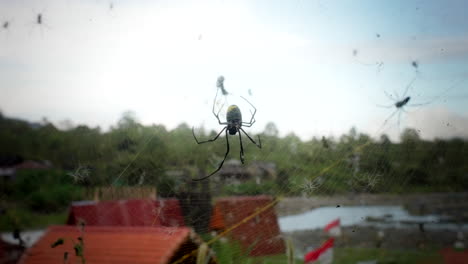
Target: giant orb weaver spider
x=233 y=125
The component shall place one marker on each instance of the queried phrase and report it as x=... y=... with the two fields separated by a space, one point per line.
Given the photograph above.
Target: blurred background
x=360 y=107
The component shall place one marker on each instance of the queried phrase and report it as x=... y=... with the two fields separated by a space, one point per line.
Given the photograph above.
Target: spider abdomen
x=233 y=115
x=402 y=102
x=234 y=119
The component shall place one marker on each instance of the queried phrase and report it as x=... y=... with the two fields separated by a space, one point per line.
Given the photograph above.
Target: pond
x=29 y=237
x=380 y=216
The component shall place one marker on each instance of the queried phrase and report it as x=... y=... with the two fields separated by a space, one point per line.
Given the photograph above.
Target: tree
x=410 y=135
x=409 y=141
x=271 y=130
x=128 y=120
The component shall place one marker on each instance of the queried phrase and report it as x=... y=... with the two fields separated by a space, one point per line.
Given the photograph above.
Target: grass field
x=27 y=220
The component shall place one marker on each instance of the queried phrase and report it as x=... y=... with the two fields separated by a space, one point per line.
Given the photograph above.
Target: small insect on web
x=39 y=21
x=378 y=64
x=415 y=65
x=232 y=126
x=6 y=26
x=220 y=85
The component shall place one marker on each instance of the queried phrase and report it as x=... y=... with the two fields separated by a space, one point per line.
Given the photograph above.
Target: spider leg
x=399 y=118
x=209 y=140
x=386 y=106
x=241 y=148
x=421 y=104
x=213 y=110
x=249 y=124
x=389 y=117
x=217 y=116
x=259 y=144
x=409 y=86
x=456 y=83
x=398 y=98
x=252 y=119
x=222 y=162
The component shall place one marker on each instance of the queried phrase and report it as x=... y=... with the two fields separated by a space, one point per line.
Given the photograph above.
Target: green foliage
x=353 y=255
x=251 y=188
x=23 y=218
x=53 y=198
x=44 y=190
x=134 y=154
x=230 y=252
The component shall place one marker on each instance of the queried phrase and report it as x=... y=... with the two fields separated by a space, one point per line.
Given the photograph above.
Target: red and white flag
x=323 y=254
x=333 y=228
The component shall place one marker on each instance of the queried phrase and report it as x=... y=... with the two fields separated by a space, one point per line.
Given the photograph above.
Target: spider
x=232 y=126
x=400 y=103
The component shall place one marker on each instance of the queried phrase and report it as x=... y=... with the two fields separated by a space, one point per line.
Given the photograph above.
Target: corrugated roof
x=164 y=212
x=259 y=235
x=453 y=256
x=109 y=245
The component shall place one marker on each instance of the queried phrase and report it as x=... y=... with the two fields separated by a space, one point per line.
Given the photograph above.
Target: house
x=143 y=212
x=259 y=235
x=262 y=171
x=111 y=244
x=234 y=172
x=9 y=165
x=124 y=193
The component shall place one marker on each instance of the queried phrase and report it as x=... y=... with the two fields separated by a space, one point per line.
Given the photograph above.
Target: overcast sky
x=312 y=67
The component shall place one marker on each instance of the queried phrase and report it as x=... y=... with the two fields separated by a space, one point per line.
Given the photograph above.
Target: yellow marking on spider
x=232 y=108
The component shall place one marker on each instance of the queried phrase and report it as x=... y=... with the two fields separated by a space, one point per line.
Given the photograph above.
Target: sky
x=314 y=68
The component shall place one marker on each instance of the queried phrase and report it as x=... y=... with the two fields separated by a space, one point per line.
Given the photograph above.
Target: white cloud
x=438 y=122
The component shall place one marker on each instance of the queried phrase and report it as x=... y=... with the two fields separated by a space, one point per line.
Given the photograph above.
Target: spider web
x=326 y=178
x=137 y=174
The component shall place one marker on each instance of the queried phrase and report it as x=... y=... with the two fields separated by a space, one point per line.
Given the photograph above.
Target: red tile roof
x=31 y=164
x=114 y=245
x=452 y=256
x=260 y=235
x=163 y=212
